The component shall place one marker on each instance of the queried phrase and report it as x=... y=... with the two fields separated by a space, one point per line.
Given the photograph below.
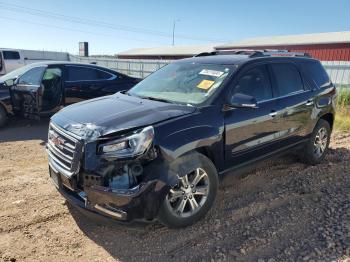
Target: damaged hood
x=109 y=114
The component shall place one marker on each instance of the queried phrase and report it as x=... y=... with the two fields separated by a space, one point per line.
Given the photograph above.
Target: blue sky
x=113 y=26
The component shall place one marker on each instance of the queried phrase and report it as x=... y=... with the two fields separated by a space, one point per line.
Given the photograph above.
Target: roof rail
x=255 y=53
x=229 y=52
x=206 y=54
x=284 y=53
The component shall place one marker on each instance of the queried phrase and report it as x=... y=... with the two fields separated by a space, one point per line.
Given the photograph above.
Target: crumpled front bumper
x=139 y=203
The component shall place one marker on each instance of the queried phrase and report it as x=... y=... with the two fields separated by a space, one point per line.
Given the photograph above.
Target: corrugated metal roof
x=186 y=50
x=319 y=38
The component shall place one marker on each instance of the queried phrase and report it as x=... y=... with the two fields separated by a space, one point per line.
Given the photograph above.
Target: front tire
x=194 y=195
x=318 y=143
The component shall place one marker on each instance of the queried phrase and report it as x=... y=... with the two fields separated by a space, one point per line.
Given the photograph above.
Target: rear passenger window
x=255 y=82
x=317 y=73
x=11 y=55
x=288 y=79
x=80 y=73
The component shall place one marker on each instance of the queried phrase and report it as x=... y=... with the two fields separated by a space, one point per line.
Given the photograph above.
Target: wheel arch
x=329 y=117
x=209 y=154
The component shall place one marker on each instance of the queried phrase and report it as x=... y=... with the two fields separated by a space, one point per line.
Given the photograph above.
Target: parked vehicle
x=11 y=59
x=41 y=89
x=157 y=150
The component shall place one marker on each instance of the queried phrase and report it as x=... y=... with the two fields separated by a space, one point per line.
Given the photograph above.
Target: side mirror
x=9 y=82
x=243 y=101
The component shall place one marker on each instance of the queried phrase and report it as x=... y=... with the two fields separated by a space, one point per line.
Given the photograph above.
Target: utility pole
x=175 y=20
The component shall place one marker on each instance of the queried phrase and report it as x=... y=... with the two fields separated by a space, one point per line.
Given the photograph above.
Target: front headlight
x=129 y=146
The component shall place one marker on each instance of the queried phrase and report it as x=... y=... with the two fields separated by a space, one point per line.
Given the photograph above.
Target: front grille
x=64 y=151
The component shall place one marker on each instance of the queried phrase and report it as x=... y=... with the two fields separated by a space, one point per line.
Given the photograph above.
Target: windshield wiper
x=156 y=99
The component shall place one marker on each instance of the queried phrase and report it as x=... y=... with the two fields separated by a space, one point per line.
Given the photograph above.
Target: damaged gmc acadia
x=157 y=150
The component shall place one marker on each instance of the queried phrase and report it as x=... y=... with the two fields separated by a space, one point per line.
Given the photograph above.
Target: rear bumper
x=139 y=203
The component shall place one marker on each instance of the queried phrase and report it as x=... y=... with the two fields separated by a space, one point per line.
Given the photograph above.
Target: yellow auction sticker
x=205 y=84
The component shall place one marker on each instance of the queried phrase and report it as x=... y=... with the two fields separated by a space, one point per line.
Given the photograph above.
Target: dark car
x=41 y=89
x=157 y=151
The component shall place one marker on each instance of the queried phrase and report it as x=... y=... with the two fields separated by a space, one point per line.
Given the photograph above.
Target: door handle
x=75 y=88
x=273 y=113
x=309 y=103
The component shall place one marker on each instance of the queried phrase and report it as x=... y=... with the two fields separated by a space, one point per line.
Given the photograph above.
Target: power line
x=74 y=30
x=90 y=22
x=47 y=14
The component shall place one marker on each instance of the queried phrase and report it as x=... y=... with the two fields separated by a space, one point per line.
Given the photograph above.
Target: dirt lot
x=282 y=211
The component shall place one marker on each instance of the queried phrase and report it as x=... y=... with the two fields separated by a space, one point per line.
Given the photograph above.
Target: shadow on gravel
x=275 y=211
x=123 y=242
x=24 y=129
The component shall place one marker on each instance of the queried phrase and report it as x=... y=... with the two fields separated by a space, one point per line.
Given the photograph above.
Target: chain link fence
x=132 y=67
x=339 y=71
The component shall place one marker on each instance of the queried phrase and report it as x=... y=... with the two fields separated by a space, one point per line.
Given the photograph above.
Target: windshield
x=15 y=73
x=182 y=83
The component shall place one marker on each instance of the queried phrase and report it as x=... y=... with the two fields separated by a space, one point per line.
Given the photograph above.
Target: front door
x=26 y=92
x=251 y=132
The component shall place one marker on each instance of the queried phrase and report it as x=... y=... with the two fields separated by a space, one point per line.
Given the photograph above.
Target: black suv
x=157 y=150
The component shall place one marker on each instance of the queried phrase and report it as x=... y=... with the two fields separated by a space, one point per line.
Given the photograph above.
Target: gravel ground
x=281 y=211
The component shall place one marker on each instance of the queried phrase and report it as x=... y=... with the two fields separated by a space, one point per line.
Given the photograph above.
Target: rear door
x=88 y=82
x=251 y=132
x=295 y=101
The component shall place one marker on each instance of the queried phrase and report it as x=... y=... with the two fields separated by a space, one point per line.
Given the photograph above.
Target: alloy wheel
x=320 y=142
x=190 y=194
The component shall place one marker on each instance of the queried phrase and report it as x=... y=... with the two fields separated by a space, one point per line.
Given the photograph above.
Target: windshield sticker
x=208 y=72
x=205 y=84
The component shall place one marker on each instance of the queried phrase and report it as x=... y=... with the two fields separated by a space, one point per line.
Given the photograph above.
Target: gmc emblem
x=57 y=141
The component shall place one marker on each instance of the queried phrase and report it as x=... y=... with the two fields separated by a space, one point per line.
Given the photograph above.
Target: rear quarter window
x=317 y=73
x=11 y=55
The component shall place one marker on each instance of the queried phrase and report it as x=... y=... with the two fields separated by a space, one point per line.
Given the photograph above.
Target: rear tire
x=192 y=198
x=318 y=143
x=3 y=116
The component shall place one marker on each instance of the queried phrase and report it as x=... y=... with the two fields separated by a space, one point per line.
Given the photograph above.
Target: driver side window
x=256 y=83
x=32 y=77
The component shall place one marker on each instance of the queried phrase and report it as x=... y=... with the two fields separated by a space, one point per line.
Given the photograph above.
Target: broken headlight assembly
x=131 y=145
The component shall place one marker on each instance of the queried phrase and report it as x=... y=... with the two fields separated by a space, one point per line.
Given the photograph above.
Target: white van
x=11 y=59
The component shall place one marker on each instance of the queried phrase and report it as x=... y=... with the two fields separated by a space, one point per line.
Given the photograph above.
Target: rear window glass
x=80 y=73
x=288 y=78
x=11 y=55
x=318 y=74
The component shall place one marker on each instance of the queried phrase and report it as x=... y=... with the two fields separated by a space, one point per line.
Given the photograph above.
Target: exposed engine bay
x=118 y=175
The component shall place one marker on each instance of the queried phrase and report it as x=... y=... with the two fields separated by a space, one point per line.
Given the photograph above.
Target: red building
x=333 y=46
